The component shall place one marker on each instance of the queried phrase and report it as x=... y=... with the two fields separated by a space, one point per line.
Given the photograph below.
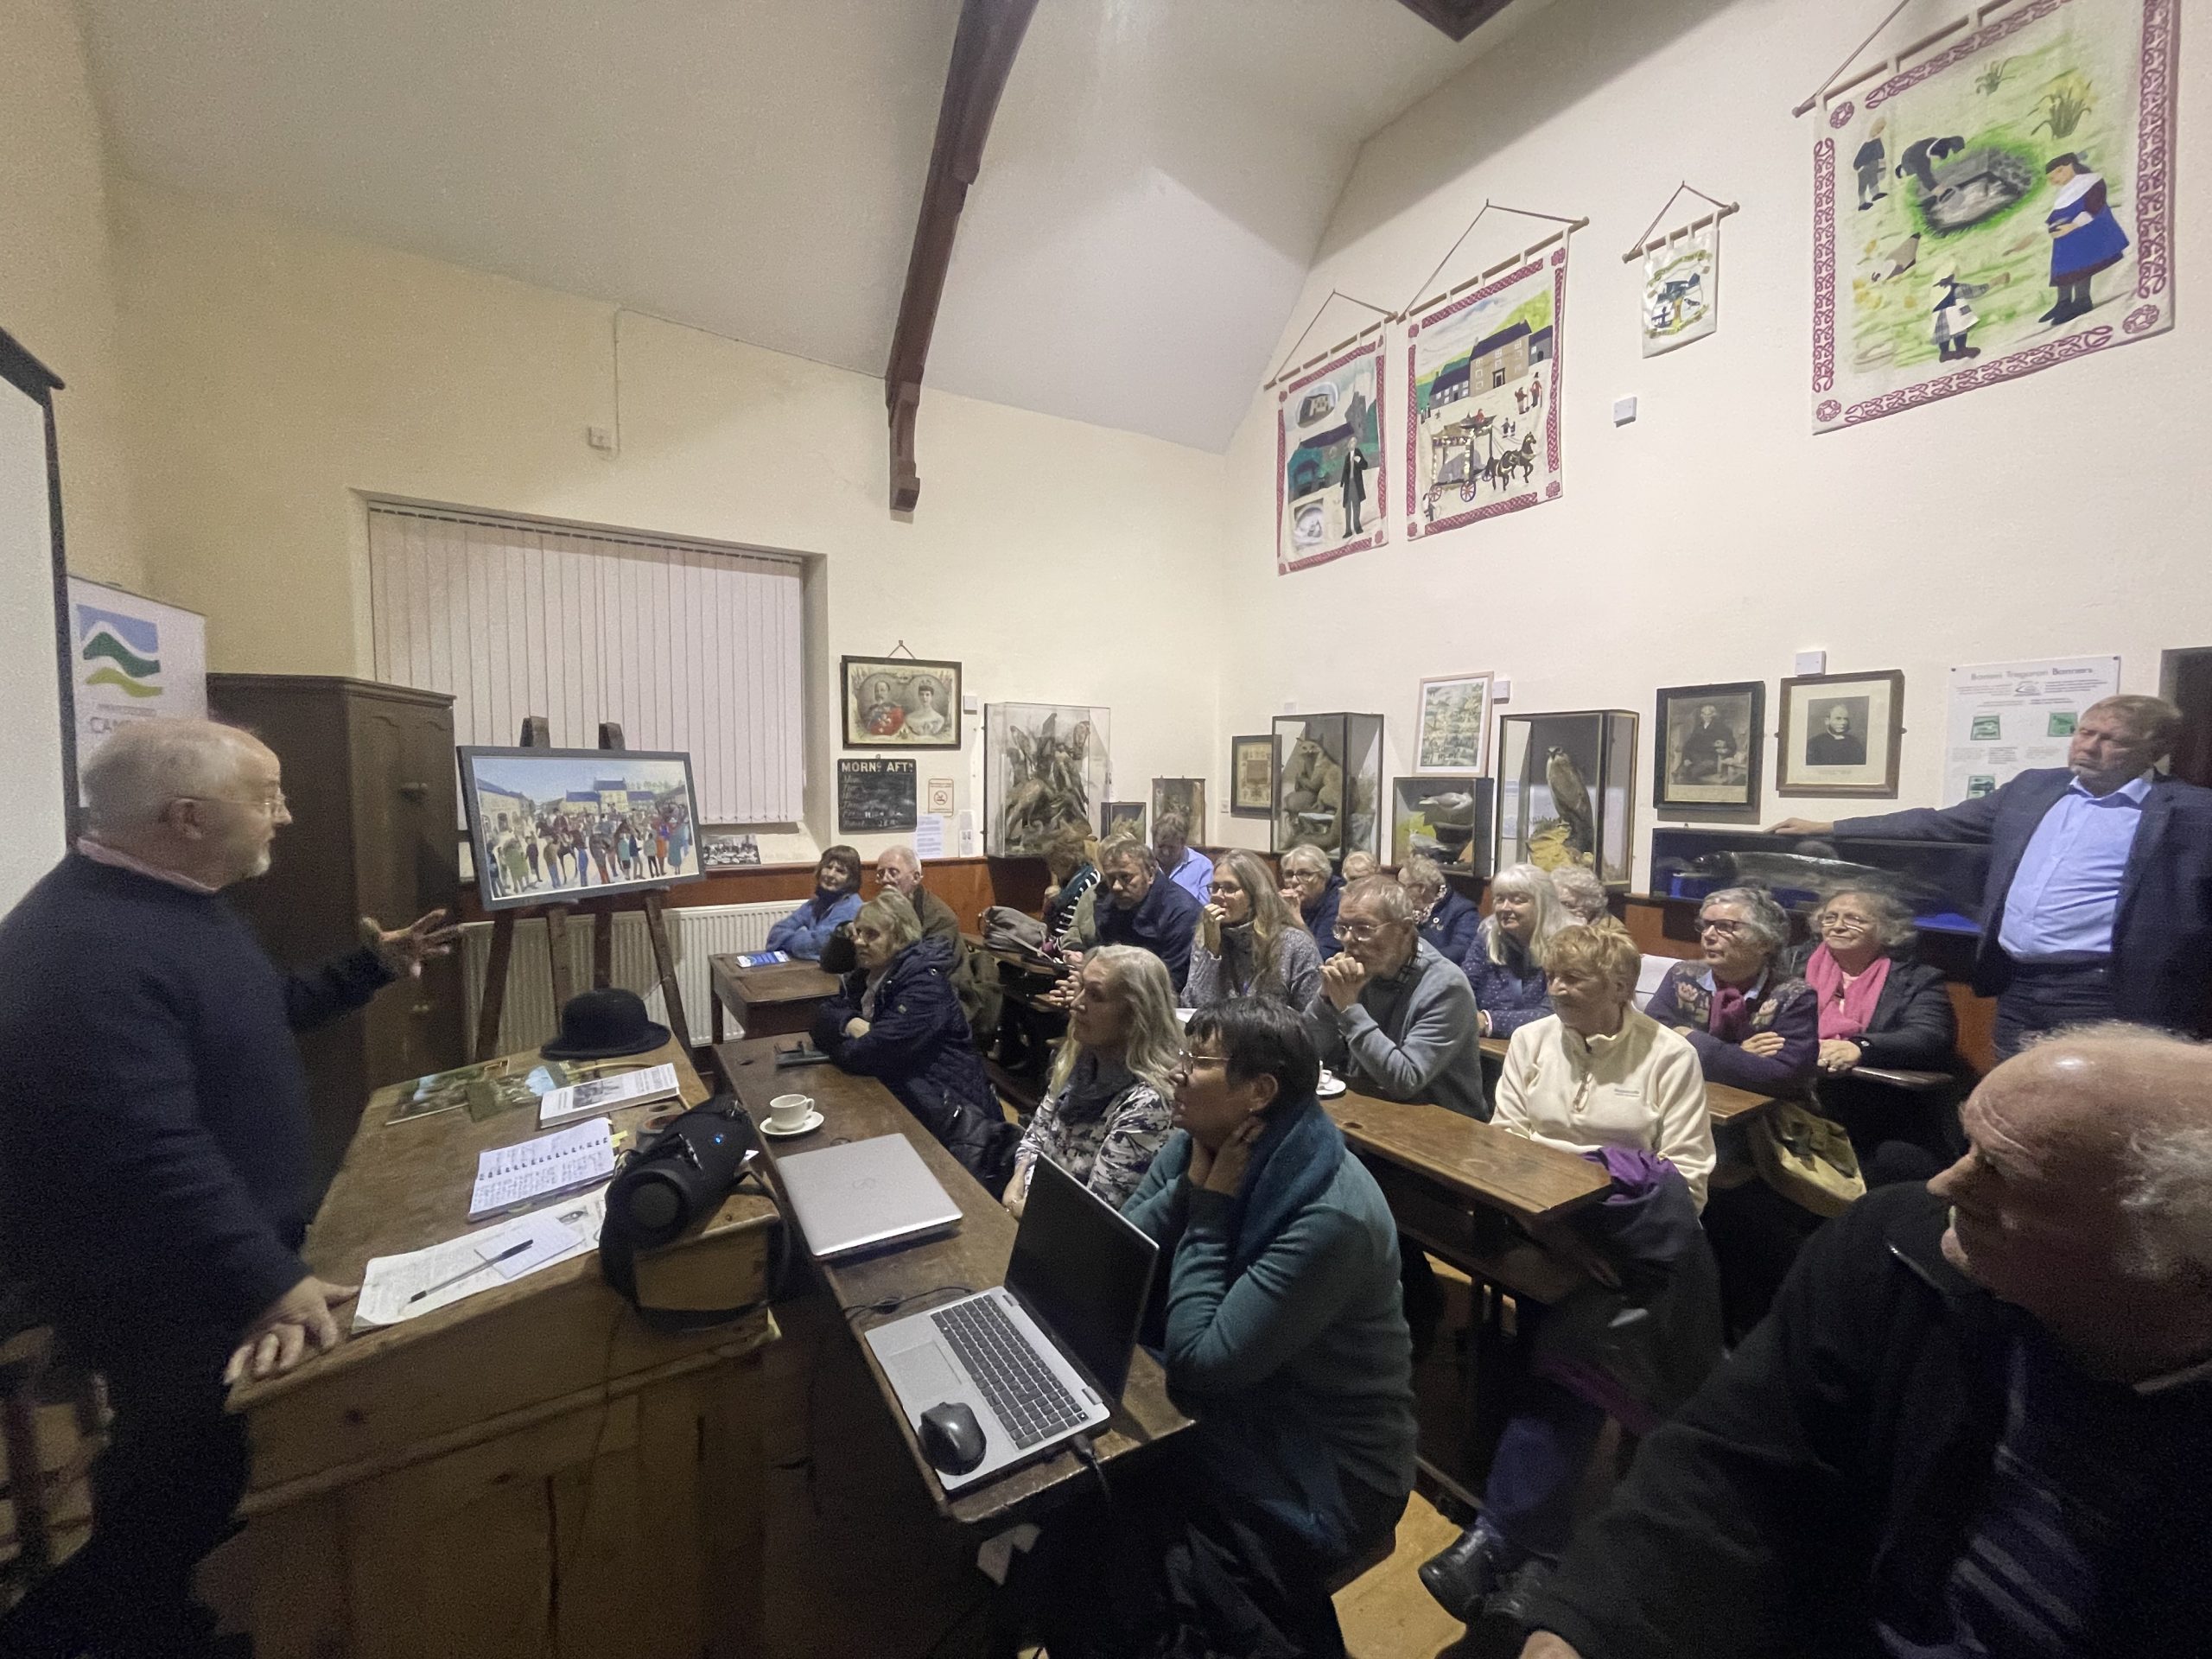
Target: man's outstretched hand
x=297 y=1323
x=404 y=949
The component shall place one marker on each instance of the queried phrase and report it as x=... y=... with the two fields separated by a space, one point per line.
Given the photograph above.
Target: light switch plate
x=1623 y=410
x=1812 y=662
x=1501 y=691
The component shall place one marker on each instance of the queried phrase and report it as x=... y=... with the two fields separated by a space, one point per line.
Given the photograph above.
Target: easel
x=538 y=733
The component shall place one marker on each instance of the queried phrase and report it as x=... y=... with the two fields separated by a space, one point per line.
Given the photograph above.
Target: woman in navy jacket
x=1449 y=919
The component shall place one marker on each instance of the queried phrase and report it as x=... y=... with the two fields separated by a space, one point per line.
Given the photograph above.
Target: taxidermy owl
x=1571 y=800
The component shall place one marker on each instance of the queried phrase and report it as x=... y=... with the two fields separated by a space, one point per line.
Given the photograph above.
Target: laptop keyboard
x=1029 y=1400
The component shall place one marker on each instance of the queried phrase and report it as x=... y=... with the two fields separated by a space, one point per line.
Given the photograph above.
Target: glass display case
x=1448 y=819
x=1328 y=784
x=1940 y=882
x=1567 y=790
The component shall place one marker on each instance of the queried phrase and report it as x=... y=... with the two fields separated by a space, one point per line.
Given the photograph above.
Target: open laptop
x=1043 y=1356
x=864 y=1193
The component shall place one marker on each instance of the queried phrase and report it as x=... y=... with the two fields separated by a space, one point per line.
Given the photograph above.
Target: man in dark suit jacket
x=1143 y=907
x=2098 y=899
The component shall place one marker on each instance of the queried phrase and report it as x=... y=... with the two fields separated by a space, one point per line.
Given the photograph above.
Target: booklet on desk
x=565 y=1161
x=760 y=958
x=399 y=1287
x=601 y=1094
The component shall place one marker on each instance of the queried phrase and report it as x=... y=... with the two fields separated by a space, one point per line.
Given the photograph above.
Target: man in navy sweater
x=154 y=1157
x=2098 y=899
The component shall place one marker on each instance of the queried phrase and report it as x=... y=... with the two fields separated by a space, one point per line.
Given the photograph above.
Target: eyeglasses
x=1361 y=931
x=1846 y=918
x=1727 y=929
x=271 y=805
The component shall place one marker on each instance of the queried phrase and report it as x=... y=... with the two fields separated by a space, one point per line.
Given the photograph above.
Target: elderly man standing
x=1978 y=1421
x=1171 y=844
x=1142 y=908
x=1394 y=1014
x=2098 y=899
x=153 y=1165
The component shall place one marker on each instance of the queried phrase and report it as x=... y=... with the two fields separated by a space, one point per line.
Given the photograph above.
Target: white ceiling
x=1159 y=175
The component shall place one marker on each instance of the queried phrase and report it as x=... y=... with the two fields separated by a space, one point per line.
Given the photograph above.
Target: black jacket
x=1162 y=923
x=1914 y=1029
x=2162 y=933
x=1831 y=1470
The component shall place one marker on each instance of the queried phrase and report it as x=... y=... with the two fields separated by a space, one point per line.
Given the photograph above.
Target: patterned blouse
x=1102 y=1127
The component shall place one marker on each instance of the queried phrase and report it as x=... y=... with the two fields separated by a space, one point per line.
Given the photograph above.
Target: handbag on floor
x=1806 y=1158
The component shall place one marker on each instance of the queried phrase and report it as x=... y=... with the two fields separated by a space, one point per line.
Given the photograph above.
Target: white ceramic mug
x=789 y=1111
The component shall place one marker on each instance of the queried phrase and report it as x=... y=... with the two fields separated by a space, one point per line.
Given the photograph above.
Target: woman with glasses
x=1448 y=919
x=1505 y=964
x=1754 y=1025
x=1105 y=1111
x=1249 y=942
x=1878 y=1007
x=1314 y=890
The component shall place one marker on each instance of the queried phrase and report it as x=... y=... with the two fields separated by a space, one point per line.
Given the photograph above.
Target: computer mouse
x=951 y=1438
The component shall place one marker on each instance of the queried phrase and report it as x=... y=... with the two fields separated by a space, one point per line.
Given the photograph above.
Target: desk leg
x=717 y=1021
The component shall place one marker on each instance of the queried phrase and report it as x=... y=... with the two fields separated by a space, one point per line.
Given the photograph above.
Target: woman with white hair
x=1448 y=917
x=1581 y=894
x=1754 y=1025
x=1505 y=964
x=1314 y=890
x=1249 y=942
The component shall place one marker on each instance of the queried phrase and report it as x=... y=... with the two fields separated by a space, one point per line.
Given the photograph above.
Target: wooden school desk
x=771 y=1001
x=1723 y=1104
x=528 y=1472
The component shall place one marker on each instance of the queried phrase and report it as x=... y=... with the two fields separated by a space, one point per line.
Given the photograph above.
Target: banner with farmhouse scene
x=1329 y=498
x=1999 y=204
x=1482 y=398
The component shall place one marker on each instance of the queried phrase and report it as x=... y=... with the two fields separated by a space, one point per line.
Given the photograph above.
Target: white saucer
x=814 y=1121
x=1331 y=1089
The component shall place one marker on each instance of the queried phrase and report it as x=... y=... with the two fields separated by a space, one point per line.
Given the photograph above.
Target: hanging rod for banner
x=1645 y=245
x=1572 y=225
x=1285 y=367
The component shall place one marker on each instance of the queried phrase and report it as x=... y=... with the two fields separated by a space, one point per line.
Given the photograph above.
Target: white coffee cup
x=789 y=1111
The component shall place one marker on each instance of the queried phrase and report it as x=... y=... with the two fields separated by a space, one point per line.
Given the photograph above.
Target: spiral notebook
x=566 y=1161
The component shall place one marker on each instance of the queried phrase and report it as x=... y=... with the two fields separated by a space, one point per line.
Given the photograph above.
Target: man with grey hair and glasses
x=1978 y=1423
x=154 y=1158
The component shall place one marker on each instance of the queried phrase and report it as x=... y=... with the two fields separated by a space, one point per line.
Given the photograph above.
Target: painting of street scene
x=550 y=826
x=1483 y=387
x=1329 y=461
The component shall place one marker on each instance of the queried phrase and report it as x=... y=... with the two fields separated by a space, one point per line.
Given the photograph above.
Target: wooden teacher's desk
x=771 y=1001
x=529 y=1470
x=857 y=1108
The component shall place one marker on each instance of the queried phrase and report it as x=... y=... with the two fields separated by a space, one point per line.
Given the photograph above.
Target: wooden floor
x=1386 y=1614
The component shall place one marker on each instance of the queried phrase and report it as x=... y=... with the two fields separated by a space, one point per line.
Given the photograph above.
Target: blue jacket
x=1513 y=993
x=806 y=930
x=1162 y=922
x=1451 y=925
x=1320 y=918
x=2162 y=933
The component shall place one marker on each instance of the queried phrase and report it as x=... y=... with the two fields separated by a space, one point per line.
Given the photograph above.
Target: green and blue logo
x=124 y=651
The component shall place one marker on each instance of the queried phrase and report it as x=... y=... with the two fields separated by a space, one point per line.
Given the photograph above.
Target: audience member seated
x=898 y=1019
x=1754 y=1026
x=1275 y=1313
x=1634 y=1342
x=1171 y=845
x=1505 y=963
x=1394 y=1018
x=1105 y=1111
x=1977 y=1422
x=1581 y=894
x=1358 y=862
x=1878 y=1006
x=837 y=900
x=1249 y=943
x=1314 y=890
x=898 y=870
x=1140 y=909
x=1448 y=917
x=1071 y=859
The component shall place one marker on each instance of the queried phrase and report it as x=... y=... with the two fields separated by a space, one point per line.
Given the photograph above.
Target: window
x=686 y=646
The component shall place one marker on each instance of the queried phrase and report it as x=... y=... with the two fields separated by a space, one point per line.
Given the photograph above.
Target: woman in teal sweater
x=1276 y=1314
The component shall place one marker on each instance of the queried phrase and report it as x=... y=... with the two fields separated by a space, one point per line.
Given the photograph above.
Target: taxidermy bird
x=1571 y=800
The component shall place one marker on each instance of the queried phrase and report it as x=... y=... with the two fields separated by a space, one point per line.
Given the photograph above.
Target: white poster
x=131 y=658
x=1681 y=288
x=2008 y=717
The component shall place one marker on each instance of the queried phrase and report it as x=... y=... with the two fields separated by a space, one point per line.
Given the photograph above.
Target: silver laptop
x=863 y=1193
x=1042 y=1358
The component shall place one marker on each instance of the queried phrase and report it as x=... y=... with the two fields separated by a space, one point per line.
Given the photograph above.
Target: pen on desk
x=512 y=1251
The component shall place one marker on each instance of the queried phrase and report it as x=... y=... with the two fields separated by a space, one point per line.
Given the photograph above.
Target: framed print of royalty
x=1840 y=735
x=900 y=702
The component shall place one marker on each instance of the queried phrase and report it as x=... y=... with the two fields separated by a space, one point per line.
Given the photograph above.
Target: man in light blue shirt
x=1171 y=844
x=2098 y=899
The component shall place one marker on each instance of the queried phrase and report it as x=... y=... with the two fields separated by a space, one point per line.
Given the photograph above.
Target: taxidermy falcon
x=1571 y=800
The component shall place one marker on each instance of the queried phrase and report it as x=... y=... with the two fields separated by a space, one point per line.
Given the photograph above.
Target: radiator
x=530 y=1017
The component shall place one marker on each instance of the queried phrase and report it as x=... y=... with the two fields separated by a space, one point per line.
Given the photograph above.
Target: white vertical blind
x=690 y=648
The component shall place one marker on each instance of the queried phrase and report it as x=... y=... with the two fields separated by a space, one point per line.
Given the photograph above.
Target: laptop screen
x=1082 y=1273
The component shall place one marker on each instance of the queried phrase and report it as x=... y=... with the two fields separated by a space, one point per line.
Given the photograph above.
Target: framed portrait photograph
x=900 y=702
x=1185 y=796
x=551 y=826
x=1121 y=818
x=1708 y=741
x=1840 y=735
x=1452 y=729
x=1252 y=776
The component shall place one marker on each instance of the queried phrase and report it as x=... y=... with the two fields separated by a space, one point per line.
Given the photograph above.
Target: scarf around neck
x=1847 y=1008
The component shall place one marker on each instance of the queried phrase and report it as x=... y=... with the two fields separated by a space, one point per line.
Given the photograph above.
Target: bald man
x=154 y=1157
x=1978 y=1423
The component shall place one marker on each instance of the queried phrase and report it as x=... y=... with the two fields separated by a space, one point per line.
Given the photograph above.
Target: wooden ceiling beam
x=983 y=50
x=1457 y=18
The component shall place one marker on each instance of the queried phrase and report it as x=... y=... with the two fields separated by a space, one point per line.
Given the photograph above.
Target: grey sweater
x=1414 y=1037
x=1218 y=978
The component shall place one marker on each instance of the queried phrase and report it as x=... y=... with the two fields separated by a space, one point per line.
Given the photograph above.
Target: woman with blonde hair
x=1249 y=942
x=1506 y=963
x=1106 y=1108
x=1314 y=890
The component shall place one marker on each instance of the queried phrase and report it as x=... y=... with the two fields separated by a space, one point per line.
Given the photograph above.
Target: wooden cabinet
x=369 y=772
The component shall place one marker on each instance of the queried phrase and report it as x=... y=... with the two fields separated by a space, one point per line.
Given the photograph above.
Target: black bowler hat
x=600 y=1024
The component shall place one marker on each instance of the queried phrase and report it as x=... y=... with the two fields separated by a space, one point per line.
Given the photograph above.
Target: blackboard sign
x=874 y=797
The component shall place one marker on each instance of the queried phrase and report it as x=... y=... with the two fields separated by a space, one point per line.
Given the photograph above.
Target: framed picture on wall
x=1708 y=740
x=1187 y=798
x=1121 y=818
x=875 y=795
x=1840 y=735
x=1252 y=776
x=1452 y=734
x=900 y=702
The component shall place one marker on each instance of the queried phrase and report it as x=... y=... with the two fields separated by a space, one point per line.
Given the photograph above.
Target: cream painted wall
x=286 y=371
x=1716 y=537
x=57 y=292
